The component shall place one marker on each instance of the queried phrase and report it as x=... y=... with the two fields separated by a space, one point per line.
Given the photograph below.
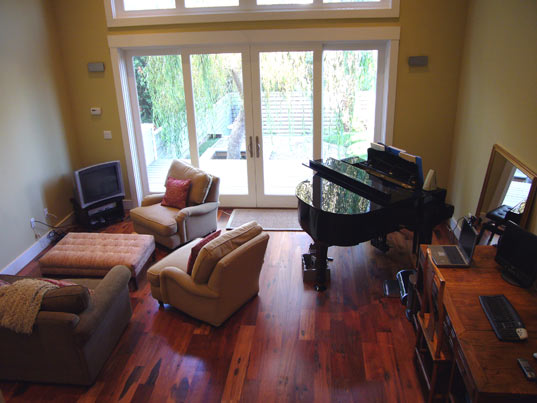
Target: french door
x=252 y=115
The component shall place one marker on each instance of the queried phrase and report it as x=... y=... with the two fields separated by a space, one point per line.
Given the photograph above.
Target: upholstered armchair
x=224 y=277
x=171 y=226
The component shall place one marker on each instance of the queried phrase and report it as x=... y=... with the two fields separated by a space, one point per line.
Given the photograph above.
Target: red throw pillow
x=196 y=250
x=176 y=193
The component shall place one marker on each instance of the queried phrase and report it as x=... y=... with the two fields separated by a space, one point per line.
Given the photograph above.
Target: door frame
x=120 y=45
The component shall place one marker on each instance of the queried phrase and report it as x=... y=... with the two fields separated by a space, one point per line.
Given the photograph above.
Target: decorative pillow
x=215 y=250
x=73 y=299
x=201 y=181
x=176 y=193
x=196 y=250
x=68 y=297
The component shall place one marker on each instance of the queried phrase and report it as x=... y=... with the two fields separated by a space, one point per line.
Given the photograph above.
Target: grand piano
x=353 y=200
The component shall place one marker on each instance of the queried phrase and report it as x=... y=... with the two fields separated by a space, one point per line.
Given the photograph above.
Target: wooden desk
x=487 y=366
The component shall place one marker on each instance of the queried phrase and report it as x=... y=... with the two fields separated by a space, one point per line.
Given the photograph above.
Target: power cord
x=474 y=222
x=55 y=236
x=452 y=229
x=54 y=226
x=56 y=233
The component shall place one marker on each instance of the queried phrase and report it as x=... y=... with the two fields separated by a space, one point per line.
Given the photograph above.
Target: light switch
x=95 y=111
x=107 y=135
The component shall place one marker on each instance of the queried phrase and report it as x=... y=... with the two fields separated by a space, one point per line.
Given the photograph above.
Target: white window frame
x=123 y=46
x=248 y=10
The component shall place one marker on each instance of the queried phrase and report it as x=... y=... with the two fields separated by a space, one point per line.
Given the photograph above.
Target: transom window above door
x=144 y=12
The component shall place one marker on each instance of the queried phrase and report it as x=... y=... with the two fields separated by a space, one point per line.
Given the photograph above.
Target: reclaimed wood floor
x=290 y=343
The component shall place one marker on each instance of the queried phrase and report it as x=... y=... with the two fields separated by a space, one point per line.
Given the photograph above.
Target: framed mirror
x=508 y=182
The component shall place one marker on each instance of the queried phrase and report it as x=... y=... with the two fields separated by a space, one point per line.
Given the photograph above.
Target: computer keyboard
x=503 y=318
x=454 y=255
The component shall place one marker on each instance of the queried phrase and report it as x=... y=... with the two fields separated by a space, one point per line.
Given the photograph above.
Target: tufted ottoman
x=94 y=254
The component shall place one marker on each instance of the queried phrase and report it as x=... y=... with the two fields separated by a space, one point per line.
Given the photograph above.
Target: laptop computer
x=456 y=255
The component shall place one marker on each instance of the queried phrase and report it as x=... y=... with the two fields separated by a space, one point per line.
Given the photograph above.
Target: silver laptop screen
x=467 y=239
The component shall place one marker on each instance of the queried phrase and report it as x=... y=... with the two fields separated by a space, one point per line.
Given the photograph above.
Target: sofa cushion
x=200 y=181
x=211 y=253
x=157 y=218
x=176 y=193
x=196 y=250
x=72 y=299
x=69 y=297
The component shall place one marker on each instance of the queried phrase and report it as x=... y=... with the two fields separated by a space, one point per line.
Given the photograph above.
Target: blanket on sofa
x=20 y=303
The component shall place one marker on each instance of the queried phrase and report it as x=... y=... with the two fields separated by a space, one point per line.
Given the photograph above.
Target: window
x=250 y=110
x=148 y=12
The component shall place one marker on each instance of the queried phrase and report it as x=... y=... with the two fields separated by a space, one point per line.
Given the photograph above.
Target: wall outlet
x=45 y=211
x=32 y=222
x=107 y=134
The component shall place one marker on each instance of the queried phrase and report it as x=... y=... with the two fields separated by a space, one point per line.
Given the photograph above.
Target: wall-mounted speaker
x=418 y=61
x=96 y=67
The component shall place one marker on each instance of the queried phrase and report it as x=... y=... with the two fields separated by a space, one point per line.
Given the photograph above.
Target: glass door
x=220 y=123
x=253 y=115
x=284 y=123
x=191 y=106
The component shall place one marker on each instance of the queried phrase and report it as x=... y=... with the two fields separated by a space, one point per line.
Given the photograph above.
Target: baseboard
x=37 y=247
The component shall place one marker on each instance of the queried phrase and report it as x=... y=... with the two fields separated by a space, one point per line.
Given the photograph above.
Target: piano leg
x=312 y=252
x=321 y=251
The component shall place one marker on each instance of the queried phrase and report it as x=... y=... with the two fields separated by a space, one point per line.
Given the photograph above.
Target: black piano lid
x=360 y=181
x=326 y=196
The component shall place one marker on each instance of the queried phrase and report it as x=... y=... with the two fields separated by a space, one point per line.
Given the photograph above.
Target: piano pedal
x=381 y=243
x=309 y=273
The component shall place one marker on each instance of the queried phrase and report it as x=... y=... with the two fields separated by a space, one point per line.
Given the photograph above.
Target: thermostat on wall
x=95 y=111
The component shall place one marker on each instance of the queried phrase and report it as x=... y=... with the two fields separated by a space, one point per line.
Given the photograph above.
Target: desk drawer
x=459 y=359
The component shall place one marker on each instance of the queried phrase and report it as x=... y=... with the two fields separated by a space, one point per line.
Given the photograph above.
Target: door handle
x=257 y=146
x=250 y=148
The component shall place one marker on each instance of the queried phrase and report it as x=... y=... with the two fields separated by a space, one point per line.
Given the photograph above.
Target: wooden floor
x=290 y=343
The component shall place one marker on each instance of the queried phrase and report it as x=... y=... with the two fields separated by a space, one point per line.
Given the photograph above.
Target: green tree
x=144 y=98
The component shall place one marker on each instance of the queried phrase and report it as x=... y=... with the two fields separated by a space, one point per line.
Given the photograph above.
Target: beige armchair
x=173 y=227
x=225 y=275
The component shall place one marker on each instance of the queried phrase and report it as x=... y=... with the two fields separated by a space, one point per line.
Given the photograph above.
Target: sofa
x=225 y=275
x=74 y=332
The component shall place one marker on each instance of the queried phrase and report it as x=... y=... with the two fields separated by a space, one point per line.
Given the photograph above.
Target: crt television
x=98 y=182
x=517 y=254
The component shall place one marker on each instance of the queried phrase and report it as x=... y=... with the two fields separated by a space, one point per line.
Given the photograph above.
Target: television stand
x=100 y=214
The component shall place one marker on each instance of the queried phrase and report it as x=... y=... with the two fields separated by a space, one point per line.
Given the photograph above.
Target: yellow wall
x=36 y=147
x=82 y=37
x=426 y=98
x=497 y=96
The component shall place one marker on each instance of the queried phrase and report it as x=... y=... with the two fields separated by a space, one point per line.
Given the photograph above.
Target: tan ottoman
x=94 y=254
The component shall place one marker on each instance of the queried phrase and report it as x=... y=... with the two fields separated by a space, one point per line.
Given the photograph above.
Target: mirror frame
x=498 y=149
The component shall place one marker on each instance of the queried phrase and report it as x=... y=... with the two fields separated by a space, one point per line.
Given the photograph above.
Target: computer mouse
x=522 y=333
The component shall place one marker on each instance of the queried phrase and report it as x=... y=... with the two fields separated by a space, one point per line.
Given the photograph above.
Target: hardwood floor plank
x=239 y=365
x=307 y=325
